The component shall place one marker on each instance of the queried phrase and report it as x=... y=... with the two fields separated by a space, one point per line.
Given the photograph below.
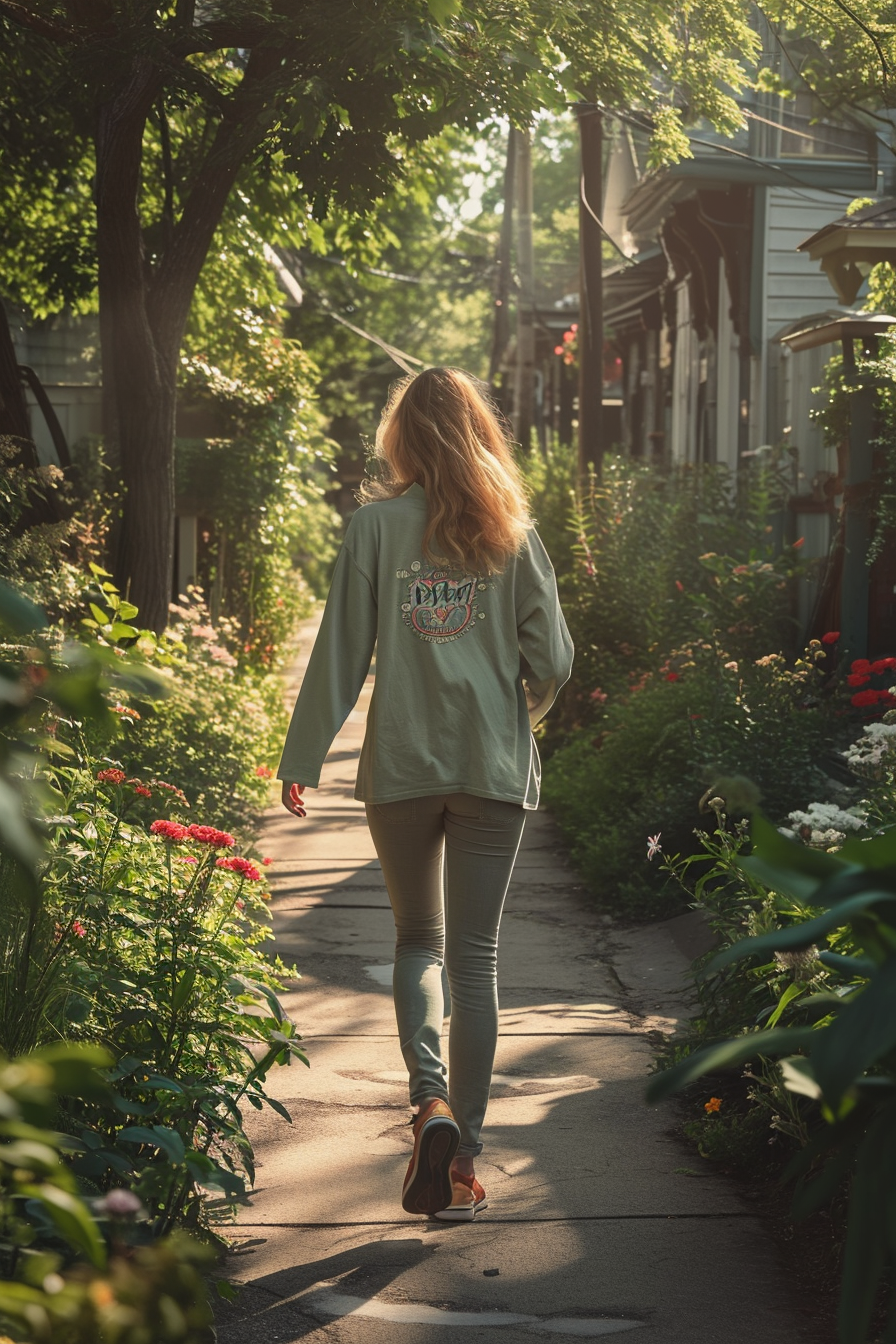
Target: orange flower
x=714 y=1104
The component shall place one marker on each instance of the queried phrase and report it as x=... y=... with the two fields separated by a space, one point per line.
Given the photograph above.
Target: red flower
x=883 y=665
x=860 y=665
x=209 y=835
x=857 y=679
x=672 y=676
x=78 y=928
x=862 y=699
x=679 y=585
x=267 y=862
x=263 y=771
x=237 y=864
x=142 y=790
x=169 y=830
x=170 y=788
x=831 y=637
x=187 y=858
x=558 y=349
x=801 y=541
x=111 y=776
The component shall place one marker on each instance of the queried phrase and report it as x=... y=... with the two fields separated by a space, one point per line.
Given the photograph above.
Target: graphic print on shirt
x=440 y=604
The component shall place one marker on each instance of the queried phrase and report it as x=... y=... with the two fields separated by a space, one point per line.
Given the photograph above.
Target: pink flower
x=237 y=864
x=209 y=835
x=598 y=695
x=264 y=771
x=801 y=541
x=267 y=862
x=111 y=776
x=679 y=585
x=240 y=905
x=169 y=830
x=653 y=845
x=125 y=712
x=831 y=637
x=558 y=349
x=78 y=928
x=187 y=858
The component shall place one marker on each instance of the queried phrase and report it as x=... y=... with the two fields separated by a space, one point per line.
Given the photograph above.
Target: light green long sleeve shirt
x=465 y=665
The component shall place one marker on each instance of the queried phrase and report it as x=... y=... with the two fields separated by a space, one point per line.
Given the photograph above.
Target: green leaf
x=726 y=1055
x=863 y=1033
x=101 y=617
x=848 y=967
x=184 y=988
x=791 y=992
x=75 y=1069
x=873 y=1188
x=127 y=611
x=121 y=631
x=168 y=1141
x=443 y=10
x=18 y=614
x=798 y=1077
x=278 y=1106
x=72 y=1220
x=799 y=935
x=879 y=851
x=99 y=572
x=785 y=865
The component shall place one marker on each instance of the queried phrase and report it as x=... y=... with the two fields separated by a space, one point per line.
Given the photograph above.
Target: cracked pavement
x=599 y=1221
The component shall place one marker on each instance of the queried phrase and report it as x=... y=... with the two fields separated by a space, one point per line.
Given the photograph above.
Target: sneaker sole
x=464 y=1215
x=428 y=1186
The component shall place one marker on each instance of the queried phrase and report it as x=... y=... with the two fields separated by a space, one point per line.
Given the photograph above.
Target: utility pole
x=591 y=287
x=503 y=268
x=525 y=313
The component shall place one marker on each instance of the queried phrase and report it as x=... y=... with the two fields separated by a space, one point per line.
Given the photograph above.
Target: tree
x=325 y=93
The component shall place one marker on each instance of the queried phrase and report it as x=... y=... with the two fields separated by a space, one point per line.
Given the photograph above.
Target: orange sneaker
x=427 y=1186
x=467 y=1198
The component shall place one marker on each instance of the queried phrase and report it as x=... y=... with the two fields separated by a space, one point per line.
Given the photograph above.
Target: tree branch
x=26 y=18
x=240 y=130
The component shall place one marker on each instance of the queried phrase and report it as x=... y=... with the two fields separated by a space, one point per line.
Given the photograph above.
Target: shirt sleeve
x=337 y=669
x=546 y=649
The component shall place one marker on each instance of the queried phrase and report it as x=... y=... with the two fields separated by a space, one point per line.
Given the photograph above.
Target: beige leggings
x=474 y=842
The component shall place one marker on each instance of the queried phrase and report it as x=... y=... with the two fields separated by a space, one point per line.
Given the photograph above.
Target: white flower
x=653 y=845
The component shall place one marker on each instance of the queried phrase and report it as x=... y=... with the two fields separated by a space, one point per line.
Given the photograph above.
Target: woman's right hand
x=291 y=797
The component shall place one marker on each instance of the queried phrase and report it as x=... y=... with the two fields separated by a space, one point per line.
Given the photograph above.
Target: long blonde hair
x=440 y=431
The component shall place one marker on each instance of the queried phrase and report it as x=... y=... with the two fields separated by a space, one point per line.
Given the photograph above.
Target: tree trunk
x=142 y=314
x=501 y=329
x=591 y=308
x=13 y=407
x=525 y=312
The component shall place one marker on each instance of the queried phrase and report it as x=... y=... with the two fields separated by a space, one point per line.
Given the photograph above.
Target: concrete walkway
x=599 y=1222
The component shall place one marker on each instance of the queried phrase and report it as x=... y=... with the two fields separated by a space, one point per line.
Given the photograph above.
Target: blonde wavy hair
x=440 y=431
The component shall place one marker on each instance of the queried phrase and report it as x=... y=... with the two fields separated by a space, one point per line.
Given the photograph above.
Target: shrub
x=73 y=1271
x=220 y=726
x=699 y=724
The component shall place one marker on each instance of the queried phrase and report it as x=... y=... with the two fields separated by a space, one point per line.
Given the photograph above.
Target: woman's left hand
x=291 y=796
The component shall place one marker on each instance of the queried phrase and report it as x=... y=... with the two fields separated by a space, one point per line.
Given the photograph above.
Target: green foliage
x=73 y=1271
x=123 y=937
x=697 y=727
x=842 y=1060
x=671 y=585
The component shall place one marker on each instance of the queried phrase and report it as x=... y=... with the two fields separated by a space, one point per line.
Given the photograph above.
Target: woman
x=443 y=569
